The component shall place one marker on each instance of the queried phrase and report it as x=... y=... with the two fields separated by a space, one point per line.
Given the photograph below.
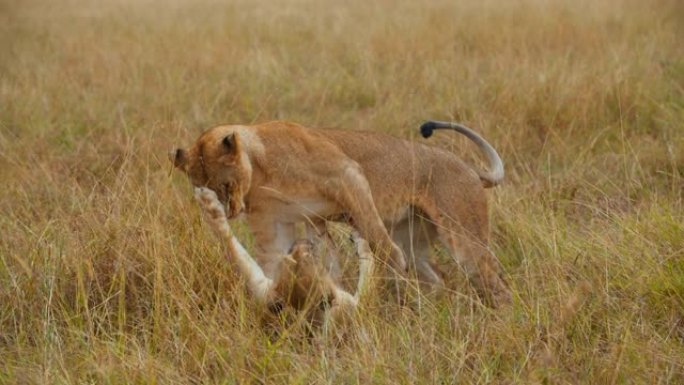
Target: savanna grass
x=107 y=274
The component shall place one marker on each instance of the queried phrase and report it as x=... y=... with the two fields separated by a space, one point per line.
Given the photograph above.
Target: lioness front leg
x=353 y=192
x=272 y=241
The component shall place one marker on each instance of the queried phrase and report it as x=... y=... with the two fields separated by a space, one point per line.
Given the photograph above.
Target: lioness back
x=400 y=171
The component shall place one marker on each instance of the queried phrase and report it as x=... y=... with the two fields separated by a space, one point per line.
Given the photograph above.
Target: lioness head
x=217 y=161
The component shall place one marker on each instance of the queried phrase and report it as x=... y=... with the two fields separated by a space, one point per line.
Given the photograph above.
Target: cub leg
x=344 y=303
x=300 y=275
x=258 y=283
x=363 y=251
x=324 y=247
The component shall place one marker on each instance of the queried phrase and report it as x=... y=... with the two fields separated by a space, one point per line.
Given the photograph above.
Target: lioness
x=280 y=173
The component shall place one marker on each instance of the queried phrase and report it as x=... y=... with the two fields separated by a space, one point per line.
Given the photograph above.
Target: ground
x=108 y=275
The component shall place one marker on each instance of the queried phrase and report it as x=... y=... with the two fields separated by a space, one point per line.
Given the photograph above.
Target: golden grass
x=108 y=276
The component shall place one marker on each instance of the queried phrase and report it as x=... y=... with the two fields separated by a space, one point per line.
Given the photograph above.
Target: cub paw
x=208 y=201
x=205 y=196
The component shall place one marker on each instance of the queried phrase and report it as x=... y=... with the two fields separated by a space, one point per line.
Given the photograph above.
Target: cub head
x=217 y=161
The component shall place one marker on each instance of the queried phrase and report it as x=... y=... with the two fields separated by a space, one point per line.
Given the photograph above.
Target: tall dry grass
x=108 y=276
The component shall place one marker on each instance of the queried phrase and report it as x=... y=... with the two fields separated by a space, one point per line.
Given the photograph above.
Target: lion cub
x=302 y=283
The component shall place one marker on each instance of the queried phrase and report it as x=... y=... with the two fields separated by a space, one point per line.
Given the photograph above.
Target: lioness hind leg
x=479 y=263
x=481 y=266
x=415 y=236
x=467 y=245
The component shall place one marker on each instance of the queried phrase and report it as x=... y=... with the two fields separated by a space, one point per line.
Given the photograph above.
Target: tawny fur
x=280 y=173
x=302 y=283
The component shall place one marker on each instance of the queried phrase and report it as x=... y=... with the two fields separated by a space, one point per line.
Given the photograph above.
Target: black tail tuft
x=427 y=128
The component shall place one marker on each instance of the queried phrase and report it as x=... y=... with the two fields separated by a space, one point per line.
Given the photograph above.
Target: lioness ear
x=179 y=158
x=229 y=143
x=231 y=149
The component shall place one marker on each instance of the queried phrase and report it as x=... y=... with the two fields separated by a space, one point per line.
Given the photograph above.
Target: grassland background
x=107 y=274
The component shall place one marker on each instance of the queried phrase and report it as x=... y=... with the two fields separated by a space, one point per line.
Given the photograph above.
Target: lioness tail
x=496 y=170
